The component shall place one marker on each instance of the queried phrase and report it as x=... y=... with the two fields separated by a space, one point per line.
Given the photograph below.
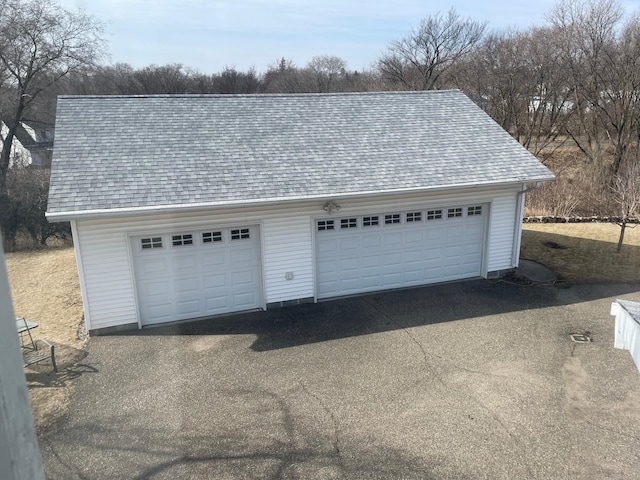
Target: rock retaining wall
x=577 y=220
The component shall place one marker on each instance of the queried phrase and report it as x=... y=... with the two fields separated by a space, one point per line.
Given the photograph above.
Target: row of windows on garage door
x=398 y=218
x=190 y=274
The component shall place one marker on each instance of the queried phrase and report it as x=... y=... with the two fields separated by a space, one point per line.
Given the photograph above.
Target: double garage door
x=366 y=253
x=197 y=273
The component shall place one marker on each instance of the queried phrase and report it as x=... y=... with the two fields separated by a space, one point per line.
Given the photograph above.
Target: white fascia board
x=156 y=209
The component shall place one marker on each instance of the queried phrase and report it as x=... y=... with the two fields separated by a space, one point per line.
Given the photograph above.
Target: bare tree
x=549 y=105
x=601 y=57
x=162 y=79
x=231 y=80
x=40 y=42
x=117 y=79
x=619 y=108
x=497 y=75
x=518 y=79
x=327 y=70
x=284 y=77
x=624 y=193
x=28 y=190
x=420 y=60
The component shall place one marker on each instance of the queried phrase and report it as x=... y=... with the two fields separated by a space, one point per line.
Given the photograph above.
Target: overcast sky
x=209 y=35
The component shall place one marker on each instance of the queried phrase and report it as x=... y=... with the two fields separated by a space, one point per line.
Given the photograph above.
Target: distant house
x=32 y=145
x=537 y=104
x=190 y=206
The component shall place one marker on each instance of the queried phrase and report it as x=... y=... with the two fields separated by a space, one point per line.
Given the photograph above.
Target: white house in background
x=32 y=144
x=189 y=206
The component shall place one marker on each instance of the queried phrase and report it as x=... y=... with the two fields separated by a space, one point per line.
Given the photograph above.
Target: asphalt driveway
x=462 y=381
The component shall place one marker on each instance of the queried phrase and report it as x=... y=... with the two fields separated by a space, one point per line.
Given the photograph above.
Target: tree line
x=571 y=84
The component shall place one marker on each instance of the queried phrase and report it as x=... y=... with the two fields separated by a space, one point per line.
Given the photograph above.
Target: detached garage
x=189 y=206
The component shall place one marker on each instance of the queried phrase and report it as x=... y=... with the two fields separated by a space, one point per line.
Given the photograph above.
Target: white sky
x=209 y=35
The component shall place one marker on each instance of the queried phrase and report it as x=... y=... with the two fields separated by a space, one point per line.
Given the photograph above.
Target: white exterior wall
x=627 y=332
x=286 y=244
x=19 y=154
x=502 y=232
x=20 y=457
x=287 y=233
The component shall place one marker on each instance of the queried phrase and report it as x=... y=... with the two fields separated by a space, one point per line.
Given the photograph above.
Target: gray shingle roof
x=130 y=152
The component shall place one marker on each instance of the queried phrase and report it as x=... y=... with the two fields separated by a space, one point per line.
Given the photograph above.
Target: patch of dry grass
x=45 y=288
x=589 y=253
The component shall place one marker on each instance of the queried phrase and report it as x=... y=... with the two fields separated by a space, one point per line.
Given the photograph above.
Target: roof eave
x=193 y=207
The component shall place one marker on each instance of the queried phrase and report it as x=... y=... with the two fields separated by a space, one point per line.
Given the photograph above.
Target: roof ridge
x=259 y=95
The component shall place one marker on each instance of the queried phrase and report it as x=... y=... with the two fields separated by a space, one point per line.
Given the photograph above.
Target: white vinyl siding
x=287 y=243
x=627 y=328
x=503 y=216
x=108 y=282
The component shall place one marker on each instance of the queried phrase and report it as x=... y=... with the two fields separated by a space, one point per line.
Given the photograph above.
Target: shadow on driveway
x=386 y=311
x=268 y=443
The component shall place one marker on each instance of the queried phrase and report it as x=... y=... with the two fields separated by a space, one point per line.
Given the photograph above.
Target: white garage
x=264 y=201
x=400 y=249
x=196 y=273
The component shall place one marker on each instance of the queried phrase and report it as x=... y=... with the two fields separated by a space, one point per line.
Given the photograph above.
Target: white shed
x=188 y=206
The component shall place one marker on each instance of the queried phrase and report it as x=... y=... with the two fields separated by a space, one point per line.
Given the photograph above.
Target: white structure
x=627 y=327
x=32 y=144
x=20 y=457
x=191 y=206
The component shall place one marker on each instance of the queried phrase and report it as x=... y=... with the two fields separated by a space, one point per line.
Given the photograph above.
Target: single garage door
x=366 y=253
x=197 y=273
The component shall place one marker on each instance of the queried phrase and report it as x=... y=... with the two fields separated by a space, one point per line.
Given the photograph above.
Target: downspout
x=517 y=231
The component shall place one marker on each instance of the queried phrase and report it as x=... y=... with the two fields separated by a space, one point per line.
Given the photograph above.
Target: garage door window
x=392 y=218
x=325 y=225
x=150 y=243
x=475 y=210
x=434 y=214
x=370 y=221
x=454 y=212
x=182 y=239
x=240 y=234
x=414 y=217
x=211 y=237
x=402 y=218
x=349 y=223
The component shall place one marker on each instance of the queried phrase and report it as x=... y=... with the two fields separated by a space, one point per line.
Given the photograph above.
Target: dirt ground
x=45 y=289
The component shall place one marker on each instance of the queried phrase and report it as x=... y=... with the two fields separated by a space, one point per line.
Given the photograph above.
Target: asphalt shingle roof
x=130 y=152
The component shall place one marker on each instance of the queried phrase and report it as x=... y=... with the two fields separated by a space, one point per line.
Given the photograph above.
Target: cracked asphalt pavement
x=458 y=381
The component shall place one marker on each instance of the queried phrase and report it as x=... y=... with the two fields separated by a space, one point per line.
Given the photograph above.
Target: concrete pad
x=458 y=381
x=534 y=272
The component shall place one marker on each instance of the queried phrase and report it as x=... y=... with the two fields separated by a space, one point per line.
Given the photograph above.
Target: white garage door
x=380 y=251
x=197 y=273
